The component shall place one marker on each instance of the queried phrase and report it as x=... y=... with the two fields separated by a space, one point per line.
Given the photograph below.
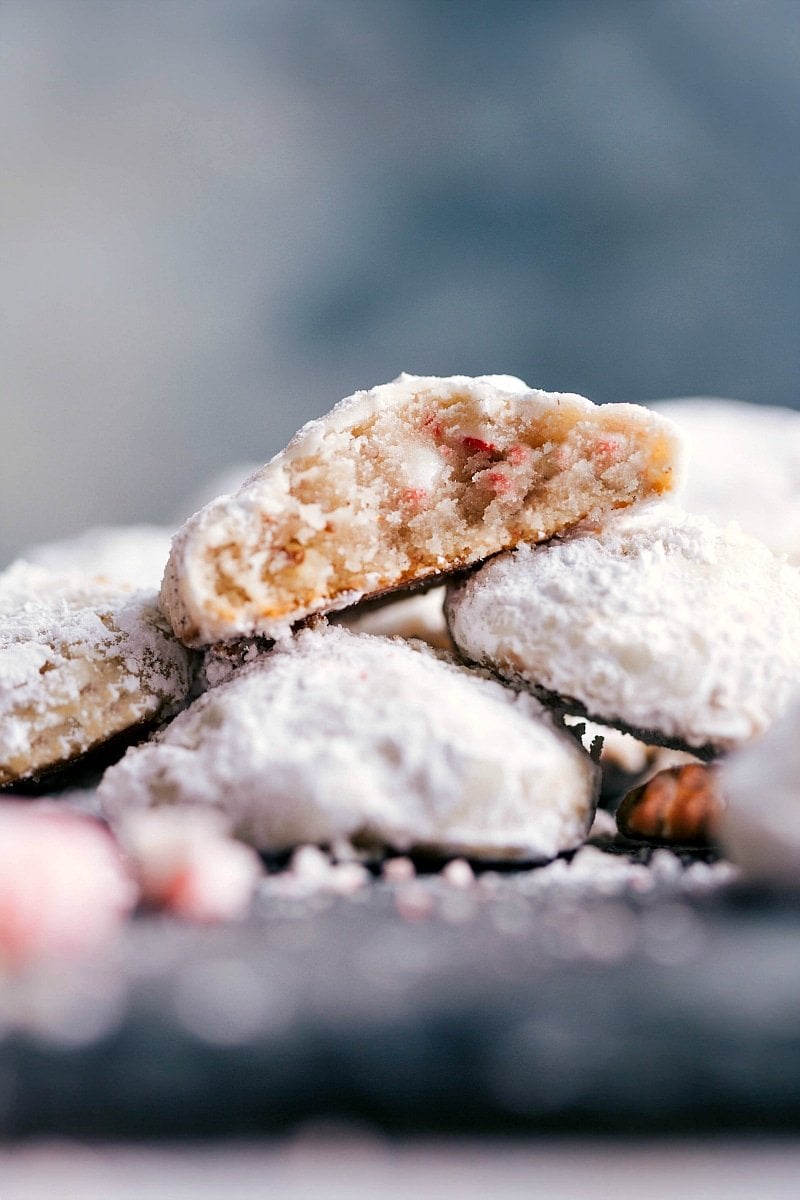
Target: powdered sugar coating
x=670 y=626
x=340 y=735
x=743 y=465
x=399 y=484
x=413 y=617
x=80 y=660
x=760 y=825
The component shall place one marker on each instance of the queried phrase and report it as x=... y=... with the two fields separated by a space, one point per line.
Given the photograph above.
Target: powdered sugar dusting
x=597 y=870
x=666 y=624
x=346 y=735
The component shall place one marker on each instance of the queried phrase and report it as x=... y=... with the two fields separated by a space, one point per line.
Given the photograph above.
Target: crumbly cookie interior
x=81 y=660
x=83 y=706
x=434 y=485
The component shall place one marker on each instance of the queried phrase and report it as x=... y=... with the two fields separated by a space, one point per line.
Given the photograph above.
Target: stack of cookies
x=387 y=634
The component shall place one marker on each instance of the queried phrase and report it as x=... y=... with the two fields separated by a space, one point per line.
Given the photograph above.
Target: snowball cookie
x=674 y=629
x=399 y=484
x=134 y=555
x=343 y=735
x=420 y=615
x=760 y=824
x=80 y=661
x=743 y=465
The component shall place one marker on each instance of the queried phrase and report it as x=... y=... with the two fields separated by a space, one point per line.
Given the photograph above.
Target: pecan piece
x=678 y=805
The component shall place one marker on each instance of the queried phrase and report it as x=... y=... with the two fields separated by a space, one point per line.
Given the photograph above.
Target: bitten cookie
x=402 y=483
x=683 y=633
x=80 y=661
x=340 y=735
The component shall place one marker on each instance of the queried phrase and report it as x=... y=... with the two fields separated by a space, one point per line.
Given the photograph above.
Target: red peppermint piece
x=478 y=446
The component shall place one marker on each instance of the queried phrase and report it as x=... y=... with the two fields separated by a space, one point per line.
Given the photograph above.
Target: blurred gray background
x=220 y=217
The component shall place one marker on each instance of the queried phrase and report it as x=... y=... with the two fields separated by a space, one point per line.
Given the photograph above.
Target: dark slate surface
x=508 y=1007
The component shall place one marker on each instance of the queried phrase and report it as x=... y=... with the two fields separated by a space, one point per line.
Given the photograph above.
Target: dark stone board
x=507 y=1007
